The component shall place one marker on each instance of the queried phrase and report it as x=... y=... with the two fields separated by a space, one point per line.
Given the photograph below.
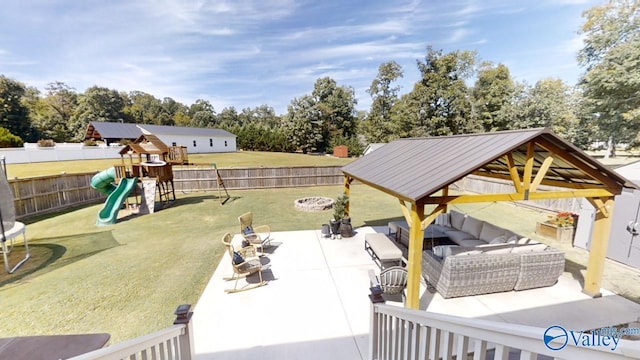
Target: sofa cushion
x=496 y=249
x=457 y=219
x=529 y=248
x=457 y=236
x=521 y=241
x=443 y=219
x=472 y=226
x=472 y=242
x=490 y=232
x=461 y=251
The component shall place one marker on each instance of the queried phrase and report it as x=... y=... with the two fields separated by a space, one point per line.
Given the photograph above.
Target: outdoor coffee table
x=434 y=237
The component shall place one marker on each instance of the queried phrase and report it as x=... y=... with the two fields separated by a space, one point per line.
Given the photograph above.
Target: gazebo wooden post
x=347 y=192
x=599 y=244
x=414 y=258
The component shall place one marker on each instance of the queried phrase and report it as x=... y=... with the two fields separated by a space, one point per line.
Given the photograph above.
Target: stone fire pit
x=315 y=203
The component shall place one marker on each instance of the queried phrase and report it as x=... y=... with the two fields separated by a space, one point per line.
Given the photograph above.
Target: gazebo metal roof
x=412 y=169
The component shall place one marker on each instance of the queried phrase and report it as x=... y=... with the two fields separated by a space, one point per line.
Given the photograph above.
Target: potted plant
x=339 y=212
x=560 y=226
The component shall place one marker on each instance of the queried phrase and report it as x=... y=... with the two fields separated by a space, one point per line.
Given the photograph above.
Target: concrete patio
x=316 y=304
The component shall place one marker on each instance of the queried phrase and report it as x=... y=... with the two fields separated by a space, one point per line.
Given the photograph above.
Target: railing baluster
x=501 y=352
x=434 y=352
x=527 y=355
x=479 y=349
x=447 y=342
x=463 y=347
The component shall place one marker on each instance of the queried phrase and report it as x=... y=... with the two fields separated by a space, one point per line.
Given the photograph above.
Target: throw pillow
x=248 y=230
x=237 y=258
x=513 y=239
x=498 y=240
x=438 y=251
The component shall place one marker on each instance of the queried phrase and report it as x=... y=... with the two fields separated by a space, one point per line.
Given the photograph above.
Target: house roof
x=117 y=130
x=413 y=169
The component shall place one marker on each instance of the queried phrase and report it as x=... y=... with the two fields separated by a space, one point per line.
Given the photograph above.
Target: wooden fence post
x=183 y=316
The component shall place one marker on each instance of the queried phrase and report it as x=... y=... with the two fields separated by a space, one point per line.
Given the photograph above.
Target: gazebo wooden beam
x=542 y=172
x=596 y=175
x=528 y=168
x=538 y=195
x=513 y=172
x=556 y=183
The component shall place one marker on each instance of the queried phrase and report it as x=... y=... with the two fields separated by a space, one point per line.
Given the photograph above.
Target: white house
x=196 y=140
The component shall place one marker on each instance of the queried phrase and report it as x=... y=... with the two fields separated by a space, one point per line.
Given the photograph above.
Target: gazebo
x=419 y=171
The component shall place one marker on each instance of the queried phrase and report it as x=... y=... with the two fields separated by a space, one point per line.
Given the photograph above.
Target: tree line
x=456 y=93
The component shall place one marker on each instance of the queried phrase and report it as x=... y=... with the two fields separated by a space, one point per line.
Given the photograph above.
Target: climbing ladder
x=220 y=185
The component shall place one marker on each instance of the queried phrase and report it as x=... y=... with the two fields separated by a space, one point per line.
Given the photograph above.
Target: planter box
x=562 y=234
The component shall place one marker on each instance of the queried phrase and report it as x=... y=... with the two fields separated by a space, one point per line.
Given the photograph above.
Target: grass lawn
x=222 y=160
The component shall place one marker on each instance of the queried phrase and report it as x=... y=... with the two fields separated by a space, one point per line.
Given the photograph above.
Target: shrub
x=46 y=143
x=7 y=139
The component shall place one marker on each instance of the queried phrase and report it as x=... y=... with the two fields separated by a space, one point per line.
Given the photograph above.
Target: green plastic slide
x=109 y=213
x=103 y=181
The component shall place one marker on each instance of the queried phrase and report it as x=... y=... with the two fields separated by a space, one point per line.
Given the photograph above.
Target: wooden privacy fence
x=38 y=195
x=187 y=179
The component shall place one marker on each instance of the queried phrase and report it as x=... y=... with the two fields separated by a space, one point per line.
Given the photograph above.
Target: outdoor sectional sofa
x=485 y=258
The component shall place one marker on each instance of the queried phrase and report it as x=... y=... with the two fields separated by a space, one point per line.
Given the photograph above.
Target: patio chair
x=244 y=262
x=393 y=280
x=258 y=236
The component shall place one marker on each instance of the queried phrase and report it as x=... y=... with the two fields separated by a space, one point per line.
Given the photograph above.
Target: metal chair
x=244 y=262
x=259 y=236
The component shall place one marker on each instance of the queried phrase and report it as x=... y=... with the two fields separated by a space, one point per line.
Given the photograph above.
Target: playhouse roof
x=146 y=144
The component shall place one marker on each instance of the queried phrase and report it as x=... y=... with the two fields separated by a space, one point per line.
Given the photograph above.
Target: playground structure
x=149 y=164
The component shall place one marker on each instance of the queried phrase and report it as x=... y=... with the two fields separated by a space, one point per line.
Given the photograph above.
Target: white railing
x=175 y=343
x=399 y=333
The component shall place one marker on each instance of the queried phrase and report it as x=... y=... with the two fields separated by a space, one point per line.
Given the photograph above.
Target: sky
x=249 y=53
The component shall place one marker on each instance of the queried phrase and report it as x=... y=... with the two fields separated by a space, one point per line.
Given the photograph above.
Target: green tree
x=440 y=102
x=228 y=116
x=174 y=113
x=202 y=114
x=62 y=101
x=97 y=104
x=611 y=55
x=493 y=89
x=14 y=114
x=337 y=107
x=377 y=125
x=143 y=108
x=304 y=125
x=549 y=103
